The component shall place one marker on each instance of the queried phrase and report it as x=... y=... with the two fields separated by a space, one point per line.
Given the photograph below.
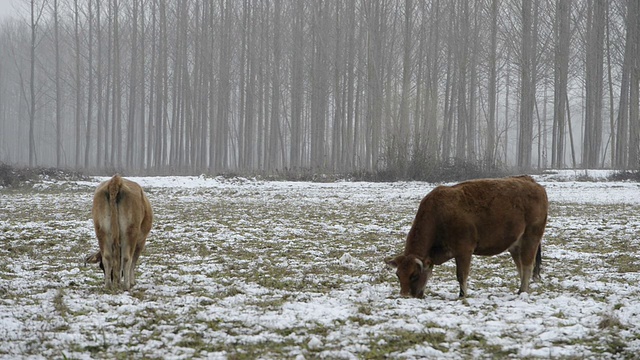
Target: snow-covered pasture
x=239 y=268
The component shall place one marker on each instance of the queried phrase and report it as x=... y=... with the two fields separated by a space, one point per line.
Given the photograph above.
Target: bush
x=420 y=165
x=625 y=175
x=14 y=176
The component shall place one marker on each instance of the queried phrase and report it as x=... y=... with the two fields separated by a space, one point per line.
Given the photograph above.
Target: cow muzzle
x=419 y=294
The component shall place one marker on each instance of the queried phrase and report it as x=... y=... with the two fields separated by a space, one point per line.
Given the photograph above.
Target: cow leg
x=525 y=268
x=538 y=262
x=107 y=263
x=525 y=257
x=463 y=264
x=134 y=261
x=524 y=271
x=525 y=278
x=116 y=265
x=107 y=256
x=128 y=249
x=515 y=254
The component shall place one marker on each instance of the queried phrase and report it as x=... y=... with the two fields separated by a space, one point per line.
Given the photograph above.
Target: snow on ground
x=240 y=268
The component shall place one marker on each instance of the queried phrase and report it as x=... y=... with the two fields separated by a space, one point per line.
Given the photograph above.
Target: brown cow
x=122 y=219
x=481 y=217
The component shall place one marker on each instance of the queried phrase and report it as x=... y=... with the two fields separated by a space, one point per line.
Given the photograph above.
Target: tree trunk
x=403 y=138
x=462 y=61
x=634 y=88
x=297 y=83
x=561 y=69
x=79 y=90
x=274 y=128
x=90 y=74
x=133 y=82
x=56 y=31
x=594 y=84
x=99 y=95
x=35 y=17
x=220 y=128
x=527 y=90
x=489 y=153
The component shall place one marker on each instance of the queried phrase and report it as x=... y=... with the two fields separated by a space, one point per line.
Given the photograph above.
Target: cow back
x=487 y=215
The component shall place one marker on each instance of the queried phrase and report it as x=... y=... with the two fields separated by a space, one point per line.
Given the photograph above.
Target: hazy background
x=8 y=8
x=400 y=87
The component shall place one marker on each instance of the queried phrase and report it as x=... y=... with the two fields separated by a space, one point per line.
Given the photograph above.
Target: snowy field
x=245 y=269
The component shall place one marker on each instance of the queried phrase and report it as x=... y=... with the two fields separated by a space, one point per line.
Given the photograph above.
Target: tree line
x=213 y=86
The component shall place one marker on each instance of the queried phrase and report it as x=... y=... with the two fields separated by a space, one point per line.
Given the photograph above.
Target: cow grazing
x=122 y=219
x=481 y=217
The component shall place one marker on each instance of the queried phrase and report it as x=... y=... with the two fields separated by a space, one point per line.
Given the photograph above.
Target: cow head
x=413 y=274
x=94 y=258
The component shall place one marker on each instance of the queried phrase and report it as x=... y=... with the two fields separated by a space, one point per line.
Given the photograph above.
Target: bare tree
x=99 y=93
x=319 y=85
x=489 y=154
x=430 y=116
x=275 y=134
x=56 y=31
x=374 y=15
x=634 y=88
x=460 y=86
x=90 y=74
x=133 y=87
x=161 y=90
x=594 y=83
x=527 y=85
x=561 y=71
x=36 y=12
x=297 y=83
x=78 y=84
x=451 y=79
x=401 y=138
x=220 y=148
x=622 y=143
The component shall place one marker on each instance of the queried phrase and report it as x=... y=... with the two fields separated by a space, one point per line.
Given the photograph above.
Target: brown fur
x=481 y=217
x=122 y=219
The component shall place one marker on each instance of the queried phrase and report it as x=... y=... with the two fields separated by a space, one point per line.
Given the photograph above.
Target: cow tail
x=538 y=265
x=114 y=189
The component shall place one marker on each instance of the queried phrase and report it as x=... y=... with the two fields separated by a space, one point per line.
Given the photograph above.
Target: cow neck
x=419 y=242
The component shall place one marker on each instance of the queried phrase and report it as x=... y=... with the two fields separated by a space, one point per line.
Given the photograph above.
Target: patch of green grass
x=191 y=340
x=92 y=349
x=613 y=346
x=362 y=320
x=365 y=309
x=270 y=303
x=58 y=303
x=21 y=250
x=624 y=262
x=62 y=328
x=403 y=340
x=477 y=340
x=203 y=251
x=151 y=318
x=610 y=321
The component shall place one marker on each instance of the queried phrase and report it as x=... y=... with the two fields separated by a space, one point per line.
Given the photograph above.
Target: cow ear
x=391 y=262
x=428 y=263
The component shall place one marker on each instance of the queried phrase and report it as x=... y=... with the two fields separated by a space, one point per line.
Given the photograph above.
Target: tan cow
x=122 y=219
x=481 y=217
